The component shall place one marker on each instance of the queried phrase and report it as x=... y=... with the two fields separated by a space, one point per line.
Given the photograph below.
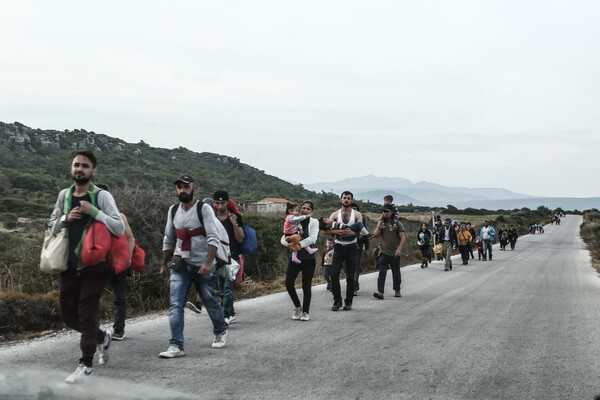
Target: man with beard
x=345 y=250
x=81 y=285
x=189 y=250
x=392 y=237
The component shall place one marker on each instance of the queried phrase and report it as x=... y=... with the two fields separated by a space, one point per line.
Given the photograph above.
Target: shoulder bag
x=55 y=252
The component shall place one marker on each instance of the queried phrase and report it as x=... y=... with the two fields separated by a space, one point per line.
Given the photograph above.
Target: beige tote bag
x=55 y=252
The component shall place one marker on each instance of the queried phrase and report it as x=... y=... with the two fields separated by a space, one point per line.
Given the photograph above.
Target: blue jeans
x=487 y=247
x=227 y=296
x=179 y=283
x=384 y=261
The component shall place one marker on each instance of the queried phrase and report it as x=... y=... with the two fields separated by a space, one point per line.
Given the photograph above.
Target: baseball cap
x=221 y=195
x=185 y=178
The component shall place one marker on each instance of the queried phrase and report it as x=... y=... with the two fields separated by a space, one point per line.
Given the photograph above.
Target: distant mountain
x=373 y=188
x=420 y=193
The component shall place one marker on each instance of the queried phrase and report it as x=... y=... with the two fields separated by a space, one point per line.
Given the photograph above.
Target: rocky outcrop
x=18 y=137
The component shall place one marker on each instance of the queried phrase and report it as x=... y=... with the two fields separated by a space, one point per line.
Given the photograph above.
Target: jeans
x=307 y=267
x=327 y=273
x=343 y=255
x=227 y=296
x=118 y=282
x=383 y=262
x=179 y=283
x=487 y=246
x=79 y=300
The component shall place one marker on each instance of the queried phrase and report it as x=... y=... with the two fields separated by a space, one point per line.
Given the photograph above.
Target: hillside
x=34 y=166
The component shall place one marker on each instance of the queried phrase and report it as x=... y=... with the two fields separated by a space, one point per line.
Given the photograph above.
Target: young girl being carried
x=292 y=230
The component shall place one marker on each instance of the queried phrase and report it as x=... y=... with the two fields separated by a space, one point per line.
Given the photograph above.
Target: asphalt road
x=523 y=326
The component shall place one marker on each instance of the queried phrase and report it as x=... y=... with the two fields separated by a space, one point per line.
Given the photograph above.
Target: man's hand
x=164 y=271
x=205 y=269
x=85 y=207
x=398 y=253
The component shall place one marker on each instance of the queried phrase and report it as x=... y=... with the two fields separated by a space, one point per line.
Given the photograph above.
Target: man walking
x=448 y=237
x=232 y=222
x=345 y=249
x=392 y=238
x=487 y=234
x=190 y=244
x=81 y=285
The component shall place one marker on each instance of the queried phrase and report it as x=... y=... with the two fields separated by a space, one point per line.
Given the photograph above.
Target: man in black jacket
x=447 y=236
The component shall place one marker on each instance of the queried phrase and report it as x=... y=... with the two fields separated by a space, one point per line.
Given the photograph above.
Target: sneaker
x=80 y=374
x=297 y=313
x=305 y=316
x=103 y=348
x=336 y=306
x=378 y=295
x=347 y=307
x=194 y=306
x=118 y=336
x=230 y=320
x=172 y=351
x=397 y=294
x=220 y=340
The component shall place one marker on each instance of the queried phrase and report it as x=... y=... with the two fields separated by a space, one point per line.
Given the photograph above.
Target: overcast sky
x=460 y=93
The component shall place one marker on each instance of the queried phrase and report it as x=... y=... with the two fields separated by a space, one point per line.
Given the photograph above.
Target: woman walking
x=424 y=243
x=464 y=238
x=310 y=232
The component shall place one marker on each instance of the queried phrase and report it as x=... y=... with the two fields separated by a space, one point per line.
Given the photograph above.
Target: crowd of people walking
x=202 y=246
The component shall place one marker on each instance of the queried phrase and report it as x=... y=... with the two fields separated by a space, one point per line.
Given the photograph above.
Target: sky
x=461 y=93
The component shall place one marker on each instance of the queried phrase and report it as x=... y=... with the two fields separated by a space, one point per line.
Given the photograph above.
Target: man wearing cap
x=447 y=235
x=232 y=222
x=345 y=250
x=189 y=249
x=392 y=237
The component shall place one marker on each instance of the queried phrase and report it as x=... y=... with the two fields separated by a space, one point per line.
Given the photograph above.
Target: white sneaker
x=172 y=351
x=297 y=313
x=220 y=340
x=103 y=348
x=304 y=316
x=80 y=374
x=230 y=320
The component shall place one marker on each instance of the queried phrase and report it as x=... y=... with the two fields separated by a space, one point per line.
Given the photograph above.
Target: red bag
x=119 y=257
x=239 y=278
x=96 y=244
x=139 y=259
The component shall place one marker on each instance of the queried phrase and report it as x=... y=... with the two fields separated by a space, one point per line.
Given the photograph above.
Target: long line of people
x=194 y=238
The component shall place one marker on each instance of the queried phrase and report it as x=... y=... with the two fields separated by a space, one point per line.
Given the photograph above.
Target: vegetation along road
x=523 y=326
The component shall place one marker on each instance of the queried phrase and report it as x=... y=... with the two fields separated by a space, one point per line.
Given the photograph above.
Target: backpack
x=250 y=243
x=223 y=255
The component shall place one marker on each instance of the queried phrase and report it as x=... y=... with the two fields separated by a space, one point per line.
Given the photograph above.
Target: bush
x=23 y=312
